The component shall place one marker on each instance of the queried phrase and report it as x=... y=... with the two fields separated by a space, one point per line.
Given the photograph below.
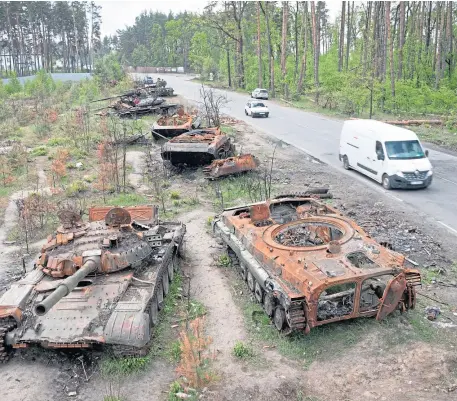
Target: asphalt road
x=318 y=136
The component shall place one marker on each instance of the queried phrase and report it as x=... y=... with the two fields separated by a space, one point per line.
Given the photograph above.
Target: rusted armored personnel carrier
x=197 y=147
x=309 y=265
x=231 y=165
x=100 y=282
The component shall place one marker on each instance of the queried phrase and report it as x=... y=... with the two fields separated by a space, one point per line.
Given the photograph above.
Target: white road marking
x=448 y=227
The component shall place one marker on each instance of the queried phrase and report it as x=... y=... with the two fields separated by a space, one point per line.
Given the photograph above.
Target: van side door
x=377 y=160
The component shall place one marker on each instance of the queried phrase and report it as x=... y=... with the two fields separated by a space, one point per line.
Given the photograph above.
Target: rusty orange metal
x=231 y=165
x=138 y=213
x=175 y=125
x=310 y=265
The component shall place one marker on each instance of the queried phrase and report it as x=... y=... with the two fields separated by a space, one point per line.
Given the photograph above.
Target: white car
x=259 y=93
x=254 y=108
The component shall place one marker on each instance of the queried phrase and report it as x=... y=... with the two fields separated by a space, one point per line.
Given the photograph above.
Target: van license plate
x=417 y=182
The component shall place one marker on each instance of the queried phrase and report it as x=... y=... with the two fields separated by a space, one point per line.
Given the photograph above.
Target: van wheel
x=346 y=163
x=386 y=182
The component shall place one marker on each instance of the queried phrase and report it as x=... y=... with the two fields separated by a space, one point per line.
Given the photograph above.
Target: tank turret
x=100 y=281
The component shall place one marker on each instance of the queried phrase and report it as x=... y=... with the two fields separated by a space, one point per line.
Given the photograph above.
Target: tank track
x=295 y=315
x=6 y=325
x=155 y=304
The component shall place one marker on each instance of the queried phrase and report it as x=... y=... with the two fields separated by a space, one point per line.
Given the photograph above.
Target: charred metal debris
x=95 y=283
x=146 y=98
x=309 y=265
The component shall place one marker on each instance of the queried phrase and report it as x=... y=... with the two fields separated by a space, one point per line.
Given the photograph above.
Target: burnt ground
x=360 y=361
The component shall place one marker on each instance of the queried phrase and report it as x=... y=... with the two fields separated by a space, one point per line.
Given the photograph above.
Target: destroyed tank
x=100 y=282
x=309 y=265
x=172 y=126
x=197 y=148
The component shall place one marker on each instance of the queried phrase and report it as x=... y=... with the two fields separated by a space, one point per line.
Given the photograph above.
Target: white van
x=390 y=155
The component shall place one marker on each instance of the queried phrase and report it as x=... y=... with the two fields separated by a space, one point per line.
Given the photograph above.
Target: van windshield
x=401 y=150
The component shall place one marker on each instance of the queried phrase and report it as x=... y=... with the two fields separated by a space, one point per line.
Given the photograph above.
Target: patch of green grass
x=39 y=151
x=236 y=190
x=123 y=366
x=175 y=195
x=176 y=388
x=209 y=221
x=76 y=187
x=195 y=309
x=111 y=398
x=174 y=351
x=438 y=135
x=224 y=260
x=176 y=203
x=127 y=199
x=58 y=141
x=242 y=351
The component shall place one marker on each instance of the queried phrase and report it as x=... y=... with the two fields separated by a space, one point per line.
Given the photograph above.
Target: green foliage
x=123 y=366
x=174 y=351
x=13 y=86
x=195 y=309
x=40 y=151
x=175 y=195
x=76 y=187
x=108 y=69
x=111 y=398
x=125 y=199
x=242 y=351
x=57 y=141
x=224 y=260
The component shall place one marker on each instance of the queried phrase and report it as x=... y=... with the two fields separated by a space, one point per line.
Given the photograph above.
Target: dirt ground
x=365 y=370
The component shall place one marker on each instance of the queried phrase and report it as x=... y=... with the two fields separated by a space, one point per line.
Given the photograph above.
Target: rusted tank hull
x=170 y=127
x=231 y=165
x=309 y=265
x=197 y=148
x=113 y=298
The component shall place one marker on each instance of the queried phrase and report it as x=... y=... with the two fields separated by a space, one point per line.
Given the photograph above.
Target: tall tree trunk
x=348 y=35
x=366 y=35
x=316 y=46
x=228 y=67
x=391 y=50
x=259 y=48
x=439 y=33
x=264 y=7
x=429 y=27
x=449 y=57
x=401 y=41
x=341 y=44
x=305 y=49
x=285 y=18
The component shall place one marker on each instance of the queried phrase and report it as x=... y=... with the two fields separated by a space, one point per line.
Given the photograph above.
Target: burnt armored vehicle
x=309 y=265
x=100 y=282
x=171 y=126
x=197 y=147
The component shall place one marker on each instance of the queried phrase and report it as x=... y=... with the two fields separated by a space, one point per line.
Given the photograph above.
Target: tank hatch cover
x=118 y=216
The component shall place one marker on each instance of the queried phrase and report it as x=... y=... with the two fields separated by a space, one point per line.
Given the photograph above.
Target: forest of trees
x=400 y=55
x=54 y=36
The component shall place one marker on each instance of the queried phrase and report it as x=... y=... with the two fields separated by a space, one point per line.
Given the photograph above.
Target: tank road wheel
x=279 y=317
x=165 y=283
x=258 y=292
x=269 y=304
x=160 y=295
x=6 y=325
x=243 y=272
x=171 y=271
x=153 y=312
x=251 y=281
x=175 y=263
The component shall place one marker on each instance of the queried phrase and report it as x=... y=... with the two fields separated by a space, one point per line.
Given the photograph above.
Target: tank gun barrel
x=65 y=287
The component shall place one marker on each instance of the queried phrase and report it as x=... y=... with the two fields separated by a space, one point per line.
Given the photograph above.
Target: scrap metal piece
x=85 y=287
x=197 y=147
x=231 y=165
x=309 y=265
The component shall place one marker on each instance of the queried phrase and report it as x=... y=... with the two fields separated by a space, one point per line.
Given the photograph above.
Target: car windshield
x=398 y=150
x=258 y=105
x=263 y=91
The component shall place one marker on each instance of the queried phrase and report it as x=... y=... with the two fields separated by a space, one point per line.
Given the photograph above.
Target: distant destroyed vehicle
x=309 y=265
x=232 y=165
x=197 y=148
x=171 y=126
x=95 y=283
